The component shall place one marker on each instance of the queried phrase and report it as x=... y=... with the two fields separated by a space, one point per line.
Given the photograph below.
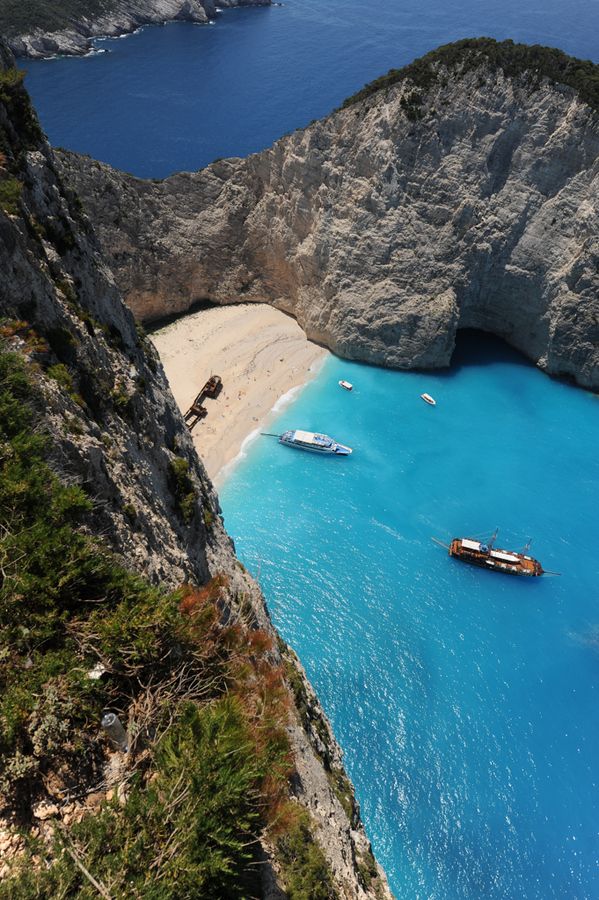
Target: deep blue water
x=466 y=702
x=178 y=97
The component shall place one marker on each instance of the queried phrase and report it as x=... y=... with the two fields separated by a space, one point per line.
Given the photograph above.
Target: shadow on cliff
x=196 y=306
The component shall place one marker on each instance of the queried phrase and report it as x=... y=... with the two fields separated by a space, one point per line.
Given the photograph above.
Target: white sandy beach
x=260 y=353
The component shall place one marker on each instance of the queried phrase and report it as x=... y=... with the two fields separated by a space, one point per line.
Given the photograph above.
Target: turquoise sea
x=466 y=703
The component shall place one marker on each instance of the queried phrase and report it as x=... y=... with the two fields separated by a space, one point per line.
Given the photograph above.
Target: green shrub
x=10 y=195
x=61 y=375
x=61 y=591
x=38 y=228
x=513 y=59
x=18 y=106
x=310 y=718
x=141 y=333
x=189 y=833
x=367 y=870
x=121 y=402
x=21 y=16
x=69 y=292
x=343 y=790
x=130 y=511
x=48 y=568
x=183 y=488
x=298 y=687
x=304 y=867
x=74 y=426
x=411 y=103
x=203 y=791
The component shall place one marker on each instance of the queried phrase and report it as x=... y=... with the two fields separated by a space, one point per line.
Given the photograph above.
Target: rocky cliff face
x=111 y=18
x=115 y=431
x=464 y=197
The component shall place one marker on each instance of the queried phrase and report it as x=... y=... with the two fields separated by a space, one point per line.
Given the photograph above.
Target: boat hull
x=505 y=562
x=313 y=443
x=340 y=449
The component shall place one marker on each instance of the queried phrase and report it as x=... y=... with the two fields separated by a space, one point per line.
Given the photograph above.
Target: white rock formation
x=388 y=225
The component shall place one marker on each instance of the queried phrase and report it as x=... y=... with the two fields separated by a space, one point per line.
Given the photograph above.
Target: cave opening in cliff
x=473 y=346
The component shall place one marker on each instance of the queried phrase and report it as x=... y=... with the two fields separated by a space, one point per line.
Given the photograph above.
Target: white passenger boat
x=428 y=399
x=314 y=443
x=347 y=385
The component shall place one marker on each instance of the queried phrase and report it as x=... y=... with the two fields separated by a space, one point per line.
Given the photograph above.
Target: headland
x=459 y=192
x=67 y=28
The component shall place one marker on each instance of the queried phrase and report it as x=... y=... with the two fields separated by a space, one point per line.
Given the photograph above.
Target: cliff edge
x=459 y=192
x=121 y=594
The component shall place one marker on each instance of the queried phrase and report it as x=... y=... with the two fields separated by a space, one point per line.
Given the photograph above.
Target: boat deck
x=486 y=557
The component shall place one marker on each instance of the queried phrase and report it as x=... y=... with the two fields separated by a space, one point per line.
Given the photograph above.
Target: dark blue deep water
x=178 y=97
x=466 y=704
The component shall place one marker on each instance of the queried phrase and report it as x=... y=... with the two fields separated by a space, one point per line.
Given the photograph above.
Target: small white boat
x=314 y=443
x=346 y=385
x=428 y=399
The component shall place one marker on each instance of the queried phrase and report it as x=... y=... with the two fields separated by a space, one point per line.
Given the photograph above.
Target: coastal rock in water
x=65 y=35
x=462 y=193
x=114 y=430
x=230 y=4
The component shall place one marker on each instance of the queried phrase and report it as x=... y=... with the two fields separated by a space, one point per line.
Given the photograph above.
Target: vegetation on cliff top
x=20 y=132
x=514 y=60
x=22 y=16
x=205 y=705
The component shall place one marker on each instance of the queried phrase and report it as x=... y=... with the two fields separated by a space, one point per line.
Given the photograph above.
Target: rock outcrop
x=110 y=19
x=461 y=192
x=115 y=430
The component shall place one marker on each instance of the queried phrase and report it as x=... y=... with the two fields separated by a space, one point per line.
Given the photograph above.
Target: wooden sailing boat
x=487 y=556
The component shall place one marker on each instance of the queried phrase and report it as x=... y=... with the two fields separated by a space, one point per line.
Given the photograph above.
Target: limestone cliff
x=460 y=192
x=67 y=29
x=135 y=489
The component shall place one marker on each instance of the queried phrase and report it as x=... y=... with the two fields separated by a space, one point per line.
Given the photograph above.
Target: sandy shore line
x=260 y=353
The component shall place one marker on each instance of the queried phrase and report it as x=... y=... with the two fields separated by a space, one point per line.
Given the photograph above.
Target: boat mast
x=492 y=539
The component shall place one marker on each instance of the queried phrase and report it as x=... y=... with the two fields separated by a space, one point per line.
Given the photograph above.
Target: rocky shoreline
x=122 y=18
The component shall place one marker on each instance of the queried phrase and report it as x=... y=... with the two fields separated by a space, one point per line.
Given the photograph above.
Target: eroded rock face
x=120 y=17
x=115 y=430
x=387 y=226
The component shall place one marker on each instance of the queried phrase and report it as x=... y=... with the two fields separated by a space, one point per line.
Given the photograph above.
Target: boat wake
x=388 y=530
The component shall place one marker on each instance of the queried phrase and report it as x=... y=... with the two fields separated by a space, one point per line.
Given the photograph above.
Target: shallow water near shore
x=466 y=702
